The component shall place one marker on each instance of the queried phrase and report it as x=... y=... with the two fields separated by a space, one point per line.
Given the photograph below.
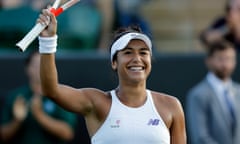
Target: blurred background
x=174 y=25
x=85 y=32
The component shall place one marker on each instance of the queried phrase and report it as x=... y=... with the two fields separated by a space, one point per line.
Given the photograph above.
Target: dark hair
x=122 y=31
x=218 y=45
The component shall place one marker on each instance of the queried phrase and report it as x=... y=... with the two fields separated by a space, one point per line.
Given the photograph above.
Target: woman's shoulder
x=166 y=100
x=168 y=106
x=95 y=93
x=163 y=96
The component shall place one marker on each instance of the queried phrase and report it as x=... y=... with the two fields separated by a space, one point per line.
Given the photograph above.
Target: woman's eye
x=143 y=53
x=127 y=52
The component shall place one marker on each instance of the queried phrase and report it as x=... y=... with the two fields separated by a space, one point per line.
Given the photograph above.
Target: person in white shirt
x=213 y=105
x=129 y=114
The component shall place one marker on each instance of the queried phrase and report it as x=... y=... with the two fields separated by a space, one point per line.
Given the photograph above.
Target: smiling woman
x=131 y=113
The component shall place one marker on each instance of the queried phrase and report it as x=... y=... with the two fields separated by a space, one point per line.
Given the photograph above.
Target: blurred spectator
x=15 y=23
x=106 y=8
x=92 y=22
x=213 y=105
x=8 y=4
x=38 y=4
x=86 y=26
x=30 y=118
x=18 y=17
x=128 y=12
x=34 y=4
x=226 y=27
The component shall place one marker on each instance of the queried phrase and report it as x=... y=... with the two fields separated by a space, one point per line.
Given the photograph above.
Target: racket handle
x=34 y=32
x=38 y=28
x=30 y=36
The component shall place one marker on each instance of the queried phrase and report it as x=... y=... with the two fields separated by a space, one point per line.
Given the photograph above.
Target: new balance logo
x=153 y=122
x=116 y=124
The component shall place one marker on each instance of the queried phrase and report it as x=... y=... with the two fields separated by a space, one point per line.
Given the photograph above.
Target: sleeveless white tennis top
x=127 y=125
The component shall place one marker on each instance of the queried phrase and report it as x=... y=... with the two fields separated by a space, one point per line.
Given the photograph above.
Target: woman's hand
x=20 y=109
x=48 y=18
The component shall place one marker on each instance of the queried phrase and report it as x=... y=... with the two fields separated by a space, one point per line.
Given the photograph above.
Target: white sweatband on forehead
x=123 y=41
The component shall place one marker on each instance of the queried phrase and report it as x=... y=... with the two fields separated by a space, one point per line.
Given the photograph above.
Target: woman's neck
x=132 y=96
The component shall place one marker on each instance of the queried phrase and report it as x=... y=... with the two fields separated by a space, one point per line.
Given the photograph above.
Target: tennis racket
x=38 y=28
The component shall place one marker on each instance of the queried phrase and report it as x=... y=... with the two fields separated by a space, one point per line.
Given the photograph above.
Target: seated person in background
x=38 y=4
x=30 y=118
x=17 y=19
x=34 y=4
x=106 y=8
x=8 y=4
x=226 y=27
x=129 y=13
x=87 y=25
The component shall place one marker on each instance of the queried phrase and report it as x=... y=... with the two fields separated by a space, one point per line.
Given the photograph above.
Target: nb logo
x=116 y=124
x=153 y=122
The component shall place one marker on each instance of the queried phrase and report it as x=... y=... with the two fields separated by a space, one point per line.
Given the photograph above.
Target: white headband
x=123 y=41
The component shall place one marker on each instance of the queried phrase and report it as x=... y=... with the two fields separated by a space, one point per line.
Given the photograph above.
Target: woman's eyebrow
x=130 y=48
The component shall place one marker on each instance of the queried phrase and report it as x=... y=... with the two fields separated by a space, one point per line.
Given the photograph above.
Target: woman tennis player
x=129 y=114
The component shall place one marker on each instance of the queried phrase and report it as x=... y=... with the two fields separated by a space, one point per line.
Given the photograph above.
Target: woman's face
x=133 y=63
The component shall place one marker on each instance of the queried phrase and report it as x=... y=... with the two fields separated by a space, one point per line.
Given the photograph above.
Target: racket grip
x=34 y=32
x=38 y=28
x=30 y=36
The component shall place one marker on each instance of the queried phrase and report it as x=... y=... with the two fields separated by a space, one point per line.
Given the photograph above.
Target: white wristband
x=47 y=45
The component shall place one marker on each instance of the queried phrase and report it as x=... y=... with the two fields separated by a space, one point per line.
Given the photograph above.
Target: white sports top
x=127 y=125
